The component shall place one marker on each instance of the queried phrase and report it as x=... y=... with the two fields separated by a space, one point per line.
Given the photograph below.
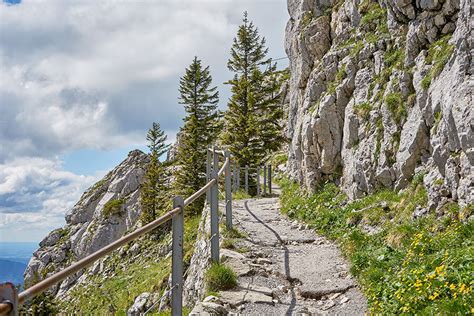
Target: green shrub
x=220 y=277
x=426 y=82
x=396 y=106
x=113 y=207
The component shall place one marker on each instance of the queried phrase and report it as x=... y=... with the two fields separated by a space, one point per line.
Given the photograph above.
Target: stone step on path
x=287 y=270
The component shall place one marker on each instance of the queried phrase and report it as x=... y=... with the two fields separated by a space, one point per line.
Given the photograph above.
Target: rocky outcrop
x=104 y=213
x=380 y=91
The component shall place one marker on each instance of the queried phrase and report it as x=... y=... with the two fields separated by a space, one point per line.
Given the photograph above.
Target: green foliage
x=394 y=58
x=341 y=72
x=118 y=293
x=373 y=15
x=355 y=50
x=363 y=110
x=439 y=53
x=42 y=304
x=113 y=207
x=396 y=106
x=421 y=266
x=131 y=276
x=426 y=82
x=240 y=195
x=253 y=121
x=154 y=193
x=157 y=138
x=220 y=277
x=201 y=126
x=437 y=119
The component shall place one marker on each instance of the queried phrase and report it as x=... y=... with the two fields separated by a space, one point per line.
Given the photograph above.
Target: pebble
x=263 y=261
x=345 y=299
x=334 y=296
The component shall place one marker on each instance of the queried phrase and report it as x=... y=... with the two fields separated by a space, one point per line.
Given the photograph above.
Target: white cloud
x=34 y=195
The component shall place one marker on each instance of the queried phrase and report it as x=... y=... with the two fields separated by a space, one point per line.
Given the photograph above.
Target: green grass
x=438 y=55
x=396 y=106
x=438 y=115
x=363 y=110
x=421 y=266
x=426 y=82
x=220 y=277
x=113 y=207
x=131 y=276
x=240 y=195
x=120 y=290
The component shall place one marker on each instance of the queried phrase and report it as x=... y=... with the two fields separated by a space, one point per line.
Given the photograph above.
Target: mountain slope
x=89 y=226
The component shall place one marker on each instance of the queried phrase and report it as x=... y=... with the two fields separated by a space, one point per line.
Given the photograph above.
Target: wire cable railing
x=11 y=300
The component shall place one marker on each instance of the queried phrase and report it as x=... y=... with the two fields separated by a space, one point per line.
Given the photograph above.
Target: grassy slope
x=132 y=276
x=422 y=266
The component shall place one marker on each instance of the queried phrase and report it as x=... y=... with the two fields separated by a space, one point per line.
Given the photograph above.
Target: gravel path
x=286 y=270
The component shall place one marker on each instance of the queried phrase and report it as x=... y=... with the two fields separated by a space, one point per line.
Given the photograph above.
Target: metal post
x=177 y=259
x=264 y=179
x=247 y=179
x=270 y=179
x=228 y=194
x=215 y=211
x=238 y=177
x=258 y=180
x=8 y=300
x=208 y=173
x=235 y=177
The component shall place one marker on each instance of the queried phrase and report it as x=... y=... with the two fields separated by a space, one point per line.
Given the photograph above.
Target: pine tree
x=252 y=127
x=157 y=139
x=154 y=197
x=201 y=126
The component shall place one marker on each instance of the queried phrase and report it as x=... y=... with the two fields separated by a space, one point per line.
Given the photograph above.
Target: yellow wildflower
x=452 y=287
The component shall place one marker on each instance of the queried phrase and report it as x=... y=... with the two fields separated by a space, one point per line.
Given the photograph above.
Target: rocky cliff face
x=104 y=213
x=380 y=91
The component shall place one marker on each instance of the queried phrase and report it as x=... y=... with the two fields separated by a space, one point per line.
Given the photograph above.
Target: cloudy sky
x=81 y=81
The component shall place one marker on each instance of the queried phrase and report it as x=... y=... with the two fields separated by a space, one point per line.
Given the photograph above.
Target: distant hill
x=11 y=271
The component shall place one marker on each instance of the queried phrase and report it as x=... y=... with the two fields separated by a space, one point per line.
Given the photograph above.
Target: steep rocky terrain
x=381 y=91
x=103 y=214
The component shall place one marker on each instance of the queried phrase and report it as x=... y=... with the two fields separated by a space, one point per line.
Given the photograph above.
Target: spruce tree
x=201 y=126
x=154 y=197
x=252 y=127
x=157 y=138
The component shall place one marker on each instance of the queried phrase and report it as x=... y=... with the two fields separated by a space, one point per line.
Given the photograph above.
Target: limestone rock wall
x=380 y=91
